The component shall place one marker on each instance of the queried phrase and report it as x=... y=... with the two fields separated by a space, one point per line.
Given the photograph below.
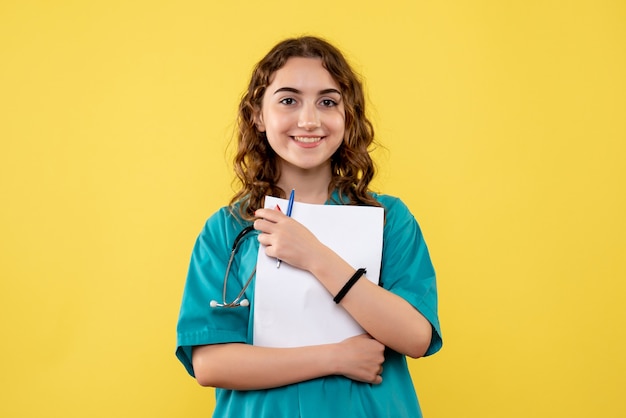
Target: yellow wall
x=505 y=129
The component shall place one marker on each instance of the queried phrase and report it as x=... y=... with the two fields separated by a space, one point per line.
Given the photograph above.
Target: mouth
x=307 y=139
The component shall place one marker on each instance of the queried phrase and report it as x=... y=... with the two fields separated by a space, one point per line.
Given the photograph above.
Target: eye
x=288 y=101
x=328 y=103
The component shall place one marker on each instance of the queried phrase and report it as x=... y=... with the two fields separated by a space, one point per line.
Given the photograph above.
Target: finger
x=264 y=226
x=265 y=239
x=378 y=377
x=270 y=252
x=273 y=215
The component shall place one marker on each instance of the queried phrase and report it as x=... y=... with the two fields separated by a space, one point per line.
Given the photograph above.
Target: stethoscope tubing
x=238 y=301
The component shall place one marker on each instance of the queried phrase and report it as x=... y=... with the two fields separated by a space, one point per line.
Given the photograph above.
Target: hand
x=287 y=239
x=361 y=358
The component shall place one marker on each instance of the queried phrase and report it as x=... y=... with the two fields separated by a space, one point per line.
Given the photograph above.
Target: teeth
x=308 y=140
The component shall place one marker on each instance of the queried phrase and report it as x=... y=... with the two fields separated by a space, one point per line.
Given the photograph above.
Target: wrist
x=346 y=288
x=319 y=259
x=333 y=354
x=332 y=272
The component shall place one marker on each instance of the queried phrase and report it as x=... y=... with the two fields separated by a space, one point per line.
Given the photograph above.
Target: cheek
x=276 y=122
x=339 y=124
x=340 y=118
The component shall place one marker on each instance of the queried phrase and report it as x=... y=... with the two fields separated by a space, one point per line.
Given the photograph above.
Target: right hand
x=361 y=358
x=286 y=239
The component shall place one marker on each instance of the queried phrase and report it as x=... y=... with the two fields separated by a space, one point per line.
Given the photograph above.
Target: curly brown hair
x=255 y=162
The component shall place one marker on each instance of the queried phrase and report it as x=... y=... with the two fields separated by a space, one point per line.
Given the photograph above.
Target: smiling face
x=303 y=116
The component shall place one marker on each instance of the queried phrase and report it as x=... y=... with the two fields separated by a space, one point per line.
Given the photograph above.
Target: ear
x=258 y=120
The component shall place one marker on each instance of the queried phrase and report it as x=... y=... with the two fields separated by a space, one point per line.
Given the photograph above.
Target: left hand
x=287 y=239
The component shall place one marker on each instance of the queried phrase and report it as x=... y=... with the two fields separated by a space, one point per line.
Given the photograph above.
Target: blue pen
x=289 y=209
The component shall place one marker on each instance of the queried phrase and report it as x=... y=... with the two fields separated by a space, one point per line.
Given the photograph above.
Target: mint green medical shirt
x=406 y=271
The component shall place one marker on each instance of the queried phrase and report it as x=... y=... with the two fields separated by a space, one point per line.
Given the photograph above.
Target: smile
x=307 y=139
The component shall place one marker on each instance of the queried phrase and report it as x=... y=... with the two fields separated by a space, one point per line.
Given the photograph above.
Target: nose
x=309 y=117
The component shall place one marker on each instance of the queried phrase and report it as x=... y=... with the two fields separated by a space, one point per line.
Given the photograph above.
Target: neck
x=310 y=187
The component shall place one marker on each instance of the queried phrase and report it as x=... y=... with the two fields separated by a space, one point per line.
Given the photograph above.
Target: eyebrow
x=296 y=91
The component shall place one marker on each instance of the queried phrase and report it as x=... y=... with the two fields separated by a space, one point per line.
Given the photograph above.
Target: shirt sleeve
x=407 y=270
x=198 y=323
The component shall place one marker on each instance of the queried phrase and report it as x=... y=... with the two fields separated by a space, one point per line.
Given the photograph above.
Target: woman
x=302 y=126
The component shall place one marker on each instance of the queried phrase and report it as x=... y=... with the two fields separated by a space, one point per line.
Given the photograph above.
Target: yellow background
x=504 y=126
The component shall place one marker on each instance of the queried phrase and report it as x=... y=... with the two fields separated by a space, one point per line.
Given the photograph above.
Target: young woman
x=302 y=125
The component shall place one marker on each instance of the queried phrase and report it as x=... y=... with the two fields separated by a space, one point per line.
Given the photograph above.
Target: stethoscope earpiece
x=233 y=304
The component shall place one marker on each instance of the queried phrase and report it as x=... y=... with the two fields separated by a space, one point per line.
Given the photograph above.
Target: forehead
x=300 y=72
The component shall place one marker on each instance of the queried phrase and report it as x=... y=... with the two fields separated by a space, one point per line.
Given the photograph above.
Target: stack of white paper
x=291 y=308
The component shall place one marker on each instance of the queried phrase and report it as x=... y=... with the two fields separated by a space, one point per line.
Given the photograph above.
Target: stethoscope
x=238 y=301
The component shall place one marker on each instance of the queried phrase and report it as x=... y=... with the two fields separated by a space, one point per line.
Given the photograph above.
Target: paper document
x=291 y=308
